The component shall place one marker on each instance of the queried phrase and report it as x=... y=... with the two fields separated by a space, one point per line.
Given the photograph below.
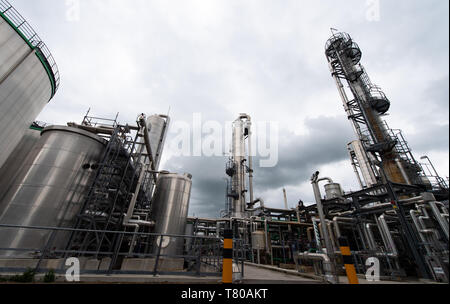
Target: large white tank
x=50 y=188
x=28 y=78
x=170 y=209
x=16 y=160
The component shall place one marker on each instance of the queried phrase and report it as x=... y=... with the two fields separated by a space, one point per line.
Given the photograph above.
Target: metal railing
x=32 y=38
x=206 y=260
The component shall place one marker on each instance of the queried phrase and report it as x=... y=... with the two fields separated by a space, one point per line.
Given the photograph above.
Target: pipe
x=250 y=158
x=336 y=220
x=442 y=222
x=384 y=226
x=135 y=194
x=327 y=263
x=402 y=171
x=285 y=199
x=315 y=183
x=371 y=238
x=419 y=229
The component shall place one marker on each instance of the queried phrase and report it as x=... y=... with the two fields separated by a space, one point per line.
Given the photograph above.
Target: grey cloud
x=266 y=58
x=299 y=157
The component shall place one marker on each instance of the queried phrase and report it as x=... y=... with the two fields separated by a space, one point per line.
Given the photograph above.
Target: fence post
x=227 y=264
x=348 y=261
x=155 y=269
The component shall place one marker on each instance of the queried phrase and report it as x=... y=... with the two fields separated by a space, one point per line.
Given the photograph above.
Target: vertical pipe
x=250 y=160
x=442 y=222
x=285 y=199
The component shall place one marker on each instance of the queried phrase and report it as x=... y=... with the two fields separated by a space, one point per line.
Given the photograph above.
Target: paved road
x=256 y=275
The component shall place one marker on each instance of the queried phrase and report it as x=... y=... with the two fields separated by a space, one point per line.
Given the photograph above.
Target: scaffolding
x=121 y=176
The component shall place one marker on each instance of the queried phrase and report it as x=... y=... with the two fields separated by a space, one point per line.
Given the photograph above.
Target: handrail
x=24 y=29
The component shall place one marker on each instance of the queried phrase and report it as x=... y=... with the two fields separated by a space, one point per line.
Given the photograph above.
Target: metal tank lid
x=75 y=130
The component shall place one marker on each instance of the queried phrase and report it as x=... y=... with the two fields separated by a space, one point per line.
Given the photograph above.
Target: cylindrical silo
x=49 y=189
x=28 y=78
x=170 y=210
x=333 y=190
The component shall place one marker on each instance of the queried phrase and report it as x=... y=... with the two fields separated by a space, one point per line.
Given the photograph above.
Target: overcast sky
x=264 y=58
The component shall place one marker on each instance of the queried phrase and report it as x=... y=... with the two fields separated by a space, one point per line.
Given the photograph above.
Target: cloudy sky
x=264 y=58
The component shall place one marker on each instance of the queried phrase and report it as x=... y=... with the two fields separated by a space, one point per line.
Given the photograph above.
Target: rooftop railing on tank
x=32 y=38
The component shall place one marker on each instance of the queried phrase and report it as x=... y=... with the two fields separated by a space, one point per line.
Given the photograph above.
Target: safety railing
x=151 y=257
x=32 y=38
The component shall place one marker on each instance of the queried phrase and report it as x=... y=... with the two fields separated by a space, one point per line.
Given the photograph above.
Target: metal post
x=158 y=254
x=348 y=261
x=330 y=251
x=227 y=264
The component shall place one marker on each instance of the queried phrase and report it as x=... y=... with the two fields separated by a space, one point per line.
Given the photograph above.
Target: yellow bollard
x=348 y=261
x=227 y=270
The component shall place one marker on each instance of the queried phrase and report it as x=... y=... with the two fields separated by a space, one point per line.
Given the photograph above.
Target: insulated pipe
x=315 y=183
x=402 y=170
x=357 y=173
x=372 y=243
x=437 y=214
x=327 y=263
x=285 y=199
x=336 y=220
x=419 y=229
x=135 y=194
x=250 y=158
x=333 y=240
x=384 y=226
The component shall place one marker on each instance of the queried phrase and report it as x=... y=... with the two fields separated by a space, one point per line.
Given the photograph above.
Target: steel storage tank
x=49 y=189
x=170 y=210
x=333 y=190
x=28 y=78
x=16 y=160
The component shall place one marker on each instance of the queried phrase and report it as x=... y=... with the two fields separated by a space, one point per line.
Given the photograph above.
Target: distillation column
x=240 y=164
x=369 y=103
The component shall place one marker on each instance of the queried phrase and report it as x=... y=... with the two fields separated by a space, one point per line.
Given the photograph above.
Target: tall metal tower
x=378 y=147
x=239 y=166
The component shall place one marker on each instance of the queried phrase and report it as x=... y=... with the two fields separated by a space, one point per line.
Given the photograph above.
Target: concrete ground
x=259 y=275
x=253 y=274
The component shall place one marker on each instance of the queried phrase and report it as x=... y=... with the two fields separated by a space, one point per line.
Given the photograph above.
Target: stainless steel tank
x=170 y=210
x=49 y=189
x=16 y=160
x=28 y=78
x=333 y=190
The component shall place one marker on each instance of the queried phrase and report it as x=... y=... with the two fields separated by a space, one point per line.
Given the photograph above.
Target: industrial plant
x=95 y=190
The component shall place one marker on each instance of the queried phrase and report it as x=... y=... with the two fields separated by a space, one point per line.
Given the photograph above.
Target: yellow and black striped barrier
x=227 y=271
x=348 y=261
